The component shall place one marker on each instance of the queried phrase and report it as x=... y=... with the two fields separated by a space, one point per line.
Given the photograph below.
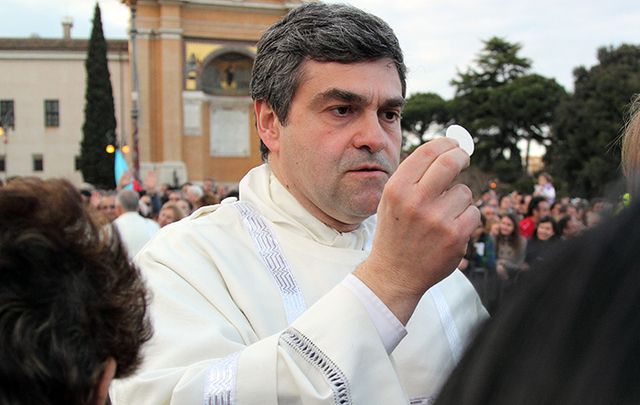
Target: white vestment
x=221 y=304
x=135 y=231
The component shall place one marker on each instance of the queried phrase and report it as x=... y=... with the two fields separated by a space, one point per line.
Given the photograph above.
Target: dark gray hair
x=128 y=200
x=319 y=32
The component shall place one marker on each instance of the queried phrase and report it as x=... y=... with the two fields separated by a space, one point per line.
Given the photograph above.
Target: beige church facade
x=194 y=62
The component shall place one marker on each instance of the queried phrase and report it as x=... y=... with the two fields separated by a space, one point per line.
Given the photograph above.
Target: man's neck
x=314 y=210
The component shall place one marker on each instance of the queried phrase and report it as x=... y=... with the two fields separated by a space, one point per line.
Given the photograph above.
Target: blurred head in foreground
x=569 y=335
x=72 y=308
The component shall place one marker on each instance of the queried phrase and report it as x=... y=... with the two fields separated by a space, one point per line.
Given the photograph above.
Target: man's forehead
x=350 y=82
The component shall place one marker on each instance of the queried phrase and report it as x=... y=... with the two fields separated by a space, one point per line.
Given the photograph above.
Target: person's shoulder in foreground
x=72 y=308
x=569 y=333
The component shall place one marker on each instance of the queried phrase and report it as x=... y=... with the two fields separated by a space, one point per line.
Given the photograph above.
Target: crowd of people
x=139 y=214
x=164 y=204
x=518 y=230
x=333 y=279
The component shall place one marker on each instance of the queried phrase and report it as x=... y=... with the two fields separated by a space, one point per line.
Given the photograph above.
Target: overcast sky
x=439 y=37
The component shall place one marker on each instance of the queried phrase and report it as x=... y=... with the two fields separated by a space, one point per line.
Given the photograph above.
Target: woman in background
x=169 y=213
x=543 y=239
x=510 y=249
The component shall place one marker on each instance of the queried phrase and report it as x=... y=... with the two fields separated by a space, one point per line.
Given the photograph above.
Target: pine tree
x=501 y=102
x=99 y=117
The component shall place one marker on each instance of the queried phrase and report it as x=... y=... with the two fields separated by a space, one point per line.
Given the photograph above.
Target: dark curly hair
x=69 y=297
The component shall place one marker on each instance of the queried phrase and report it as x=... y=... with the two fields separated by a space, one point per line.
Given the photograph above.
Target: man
x=72 y=308
x=107 y=206
x=255 y=301
x=538 y=208
x=489 y=212
x=194 y=196
x=135 y=230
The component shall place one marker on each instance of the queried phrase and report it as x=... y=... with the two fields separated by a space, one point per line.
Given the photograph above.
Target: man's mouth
x=368 y=169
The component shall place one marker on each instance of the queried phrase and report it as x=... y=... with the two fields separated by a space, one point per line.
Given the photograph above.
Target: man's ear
x=268 y=125
x=102 y=389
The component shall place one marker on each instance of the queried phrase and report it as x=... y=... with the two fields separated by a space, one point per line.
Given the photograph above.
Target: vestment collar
x=261 y=188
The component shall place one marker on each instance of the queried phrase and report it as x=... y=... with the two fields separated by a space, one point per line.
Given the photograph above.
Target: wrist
x=400 y=300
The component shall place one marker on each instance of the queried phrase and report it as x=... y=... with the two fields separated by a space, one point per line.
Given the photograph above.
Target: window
x=38 y=163
x=227 y=75
x=51 y=113
x=3 y=167
x=7 y=113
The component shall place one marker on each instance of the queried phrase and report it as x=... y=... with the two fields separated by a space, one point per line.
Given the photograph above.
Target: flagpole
x=135 y=156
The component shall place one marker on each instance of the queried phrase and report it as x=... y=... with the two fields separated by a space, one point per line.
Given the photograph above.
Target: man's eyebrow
x=335 y=94
x=350 y=97
x=397 y=102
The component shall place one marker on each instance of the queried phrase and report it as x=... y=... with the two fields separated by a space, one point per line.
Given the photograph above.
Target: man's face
x=108 y=207
x=342 y=139
x=174 y=197
x=542 y=210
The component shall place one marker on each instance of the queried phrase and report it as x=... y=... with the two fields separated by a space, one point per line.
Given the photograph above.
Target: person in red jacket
x=538 y=208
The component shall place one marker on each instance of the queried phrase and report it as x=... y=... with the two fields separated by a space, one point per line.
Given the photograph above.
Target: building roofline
x=58 y=44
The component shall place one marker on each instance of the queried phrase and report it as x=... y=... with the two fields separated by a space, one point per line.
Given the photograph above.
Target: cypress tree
x=99 y=128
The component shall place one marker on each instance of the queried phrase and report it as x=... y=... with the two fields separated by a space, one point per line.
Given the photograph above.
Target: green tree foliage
x=423 y=109
x=501 y=103
x=585 y=152
x=99 y=117
x=497 y=63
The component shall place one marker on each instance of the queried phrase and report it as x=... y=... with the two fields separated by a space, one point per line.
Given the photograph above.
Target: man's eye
x=391 y=116
x=341 y=110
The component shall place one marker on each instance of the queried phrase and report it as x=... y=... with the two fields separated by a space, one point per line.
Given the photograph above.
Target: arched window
x=227 y=74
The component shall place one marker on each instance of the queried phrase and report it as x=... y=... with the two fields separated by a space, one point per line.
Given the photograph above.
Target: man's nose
x=370 y=134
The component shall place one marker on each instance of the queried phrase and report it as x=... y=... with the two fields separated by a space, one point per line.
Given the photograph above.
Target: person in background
x=538 y=208
x=488 y=195
x=107 y=207
x=73 y=310
x=544 y=237
x=558 y=210
x=523 y=206
x=209 y=186
x=185 y=206
x=510 y=250
x=208 y=199
x=169 y=213
x=493 y=228
x=506 y=205
x=194 y=194
x=479 y=264
x=489 y=212
x=134 y=229
x=544 y=188
x=492 y=224
x=145 y=206
x=568 y=227
x=174 y=196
